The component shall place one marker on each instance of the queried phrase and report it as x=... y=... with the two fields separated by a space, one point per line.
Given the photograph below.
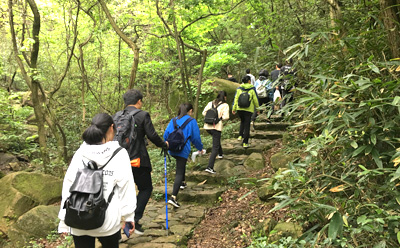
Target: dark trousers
x=179 y=174
x=143 y=182
x=89 y=241
x=245 y=119
x=216 y=147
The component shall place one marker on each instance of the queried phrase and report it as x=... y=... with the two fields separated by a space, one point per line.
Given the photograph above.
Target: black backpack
x=86 y=206
x=176 y=139
x=244 y=98
x=125 y=132
x=211 y=116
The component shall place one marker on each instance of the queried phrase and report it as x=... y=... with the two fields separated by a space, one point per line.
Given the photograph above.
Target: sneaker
x=220 y=156
x=210 y=170
x=173 y=202
x=138 y=229
x=240 y=138
x=245 y=145
x=183 y=185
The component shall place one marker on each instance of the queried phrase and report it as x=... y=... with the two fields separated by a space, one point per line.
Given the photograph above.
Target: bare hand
x=234 y=112
x=130 y=230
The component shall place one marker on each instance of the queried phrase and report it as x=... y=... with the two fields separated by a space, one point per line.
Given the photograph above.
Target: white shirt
x=223 y=112
x=253 y=79
x=117 y=172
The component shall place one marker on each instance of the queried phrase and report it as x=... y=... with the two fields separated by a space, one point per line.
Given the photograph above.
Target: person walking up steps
x=140 y=160
x=215 y=112
x=99 y=151
x=244 y=103
x=185 y=124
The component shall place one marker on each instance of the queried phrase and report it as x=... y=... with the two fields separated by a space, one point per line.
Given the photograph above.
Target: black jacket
x=144 y=127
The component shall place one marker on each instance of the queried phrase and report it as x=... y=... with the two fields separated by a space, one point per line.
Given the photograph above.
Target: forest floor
x=232 y=223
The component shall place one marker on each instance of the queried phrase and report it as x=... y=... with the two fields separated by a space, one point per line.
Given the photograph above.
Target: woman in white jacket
x=216 y=129
x=99 y=147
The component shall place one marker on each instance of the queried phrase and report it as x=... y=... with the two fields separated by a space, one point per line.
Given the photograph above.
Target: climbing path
x=203 y=189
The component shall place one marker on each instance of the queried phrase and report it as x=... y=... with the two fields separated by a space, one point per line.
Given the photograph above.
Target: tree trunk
x=32 y=84
x=391 y=20
x=131 y=43
x=334 y=12
x=203 y=62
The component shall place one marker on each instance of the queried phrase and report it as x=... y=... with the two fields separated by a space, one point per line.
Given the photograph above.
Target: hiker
x=276 y=73
x=264 y=91
x=231 y=78
x=215 y=112
x=253 y=79
x=287 y=82
x=140 y=160
x=191 y=133
x=99 y=147
x=244 y=103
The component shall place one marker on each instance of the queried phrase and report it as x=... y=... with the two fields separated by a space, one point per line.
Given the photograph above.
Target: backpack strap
x=186 y=122
x=93 y=165
x=174 y=122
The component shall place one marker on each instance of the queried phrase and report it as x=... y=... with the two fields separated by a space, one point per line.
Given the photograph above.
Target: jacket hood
x=246 y=86
x=98 y=153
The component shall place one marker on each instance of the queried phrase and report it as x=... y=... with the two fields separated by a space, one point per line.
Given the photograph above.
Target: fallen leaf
x=337 y=188
x=202 y=182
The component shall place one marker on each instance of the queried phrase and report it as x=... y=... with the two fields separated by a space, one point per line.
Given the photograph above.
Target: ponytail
x=97 y=131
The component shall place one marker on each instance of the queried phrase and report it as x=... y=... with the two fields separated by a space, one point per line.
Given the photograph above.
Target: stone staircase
x=203 y=189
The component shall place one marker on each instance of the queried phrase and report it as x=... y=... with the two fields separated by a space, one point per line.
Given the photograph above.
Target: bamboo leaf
x=335 y=226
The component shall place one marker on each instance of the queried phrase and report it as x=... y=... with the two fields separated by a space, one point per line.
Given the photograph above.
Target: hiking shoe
x=245 y=145
x=174 y=203
x=220 y=156
x=210 y=170
x=183 y=185
x=138 y=229
x=240 y=138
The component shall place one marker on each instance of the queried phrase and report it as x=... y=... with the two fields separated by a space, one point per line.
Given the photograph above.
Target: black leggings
x=244 y=131
x=216 y=147
x=179 y=174
x=86 y=241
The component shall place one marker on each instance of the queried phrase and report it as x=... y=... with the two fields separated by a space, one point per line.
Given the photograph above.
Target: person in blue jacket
x=192 y=132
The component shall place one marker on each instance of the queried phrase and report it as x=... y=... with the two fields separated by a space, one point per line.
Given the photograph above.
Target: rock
x=22 y=191
x=181 y=230
x=8 y=163
x=254 y=162
x=285 y=229
x=265 y=192
x=281 y=160
x=36 y=223
x=42 y=188
x=222 y=166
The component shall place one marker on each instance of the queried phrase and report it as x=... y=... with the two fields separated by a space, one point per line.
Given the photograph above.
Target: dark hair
x=279 y=65
x=184 y=108
x=97 y=131
x=246 y=79
x=131 y=97
x=220 y=97
x=263 y=72
x=247 y=71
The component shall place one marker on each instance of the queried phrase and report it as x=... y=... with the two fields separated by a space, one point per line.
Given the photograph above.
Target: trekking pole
x=166 y=192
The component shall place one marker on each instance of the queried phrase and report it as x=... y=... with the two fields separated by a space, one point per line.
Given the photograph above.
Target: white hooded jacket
x=116 y=172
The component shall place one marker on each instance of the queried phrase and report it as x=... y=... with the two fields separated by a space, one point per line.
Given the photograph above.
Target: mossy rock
x=44 y=189
x=36 y=223
x=254 y=162
x=285 y=229
x=281 y=160
x=265 y=192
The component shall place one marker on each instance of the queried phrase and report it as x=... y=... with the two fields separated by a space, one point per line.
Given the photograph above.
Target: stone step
x=274 y=126
x=181 y=222
x=234 y=146
x=195 y=192
x=266 y=135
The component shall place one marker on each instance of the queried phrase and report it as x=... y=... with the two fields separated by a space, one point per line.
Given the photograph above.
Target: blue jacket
x=192 y=130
